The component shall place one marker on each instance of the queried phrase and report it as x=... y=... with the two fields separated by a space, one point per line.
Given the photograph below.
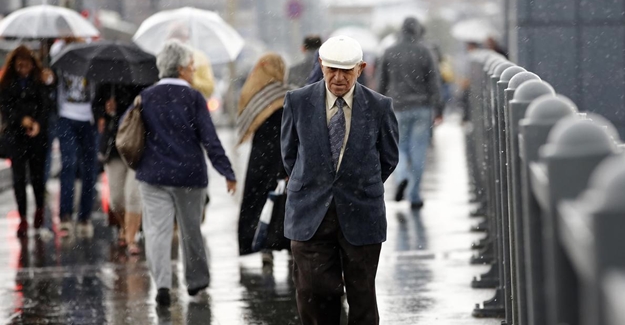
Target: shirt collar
x=331 y=98
x=173 y=81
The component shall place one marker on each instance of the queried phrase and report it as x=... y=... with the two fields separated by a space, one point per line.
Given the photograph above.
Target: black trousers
x=29 y=154
x=326 y=264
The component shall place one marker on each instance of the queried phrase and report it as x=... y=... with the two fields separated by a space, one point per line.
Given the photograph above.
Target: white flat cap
x=341 y=52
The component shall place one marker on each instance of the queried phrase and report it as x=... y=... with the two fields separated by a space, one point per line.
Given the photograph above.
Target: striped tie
x=336 y=128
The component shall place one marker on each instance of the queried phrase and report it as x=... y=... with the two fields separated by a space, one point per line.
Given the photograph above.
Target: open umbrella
x=473 y=30
x=202 y=29
x=108 y=62
x=46 y=21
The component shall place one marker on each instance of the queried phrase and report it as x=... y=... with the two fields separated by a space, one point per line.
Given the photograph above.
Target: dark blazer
x=371 y=155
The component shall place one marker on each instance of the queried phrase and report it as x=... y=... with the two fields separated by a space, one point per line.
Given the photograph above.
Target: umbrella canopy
x=108 y=62
x=367 y=39
x=473 y=30
x=46 y=21
x=202 y=29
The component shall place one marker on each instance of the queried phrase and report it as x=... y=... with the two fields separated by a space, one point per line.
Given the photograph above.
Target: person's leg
x=402 y=174
x=133 y=211
x=317 y=274
x=37 y=164
x=18 y=169
x=52 y=134
x=88 y=145
x=189 y=206
x=419 y=142
x=158 y=229
x=360 y=265
x=68 y=143
x=116 y=172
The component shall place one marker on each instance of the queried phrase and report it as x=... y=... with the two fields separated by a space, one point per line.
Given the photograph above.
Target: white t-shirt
x=75 y=95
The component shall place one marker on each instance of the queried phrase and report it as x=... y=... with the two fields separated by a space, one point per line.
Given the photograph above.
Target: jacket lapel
x=318 y=118
x=358 y=123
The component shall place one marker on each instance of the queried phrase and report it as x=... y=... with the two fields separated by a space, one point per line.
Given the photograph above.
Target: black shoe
x=162 y=297
x=193 y=292
x=401 y=188
x=416 y=205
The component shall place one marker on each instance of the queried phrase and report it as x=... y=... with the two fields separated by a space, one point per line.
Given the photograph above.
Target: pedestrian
x=110 y=103
x=25 y=107
x=409 y=74
x=172 y=173
x=78 y=140
x=259 y=119
x=298 y=74
x=339 y=145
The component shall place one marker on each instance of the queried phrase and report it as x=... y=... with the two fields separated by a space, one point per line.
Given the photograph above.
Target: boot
x=22 y=229
x=39 y=217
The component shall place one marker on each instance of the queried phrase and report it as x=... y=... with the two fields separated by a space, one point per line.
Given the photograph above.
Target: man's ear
x=362 y=68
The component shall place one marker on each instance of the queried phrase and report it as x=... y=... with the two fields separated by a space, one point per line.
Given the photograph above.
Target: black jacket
x=124 y=97
x=408 y=72
x=22 y=98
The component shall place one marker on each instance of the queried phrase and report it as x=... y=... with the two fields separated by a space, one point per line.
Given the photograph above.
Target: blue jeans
x=77 y=140
x=415 y=130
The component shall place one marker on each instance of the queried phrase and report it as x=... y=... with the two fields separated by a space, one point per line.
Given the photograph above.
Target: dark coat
x=408 y=72
x=371 y=155
x=124 y=97
x=263 y=172
x=26 y=97
x=178 y=125
x=298 y=74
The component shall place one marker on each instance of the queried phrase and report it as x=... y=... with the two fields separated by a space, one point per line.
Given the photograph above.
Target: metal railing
x=550 y=183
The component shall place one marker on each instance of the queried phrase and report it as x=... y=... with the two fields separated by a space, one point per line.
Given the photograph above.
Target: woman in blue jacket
x=172 y=173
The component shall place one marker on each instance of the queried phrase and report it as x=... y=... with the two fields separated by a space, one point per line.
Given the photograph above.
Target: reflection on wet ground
x=423 y=277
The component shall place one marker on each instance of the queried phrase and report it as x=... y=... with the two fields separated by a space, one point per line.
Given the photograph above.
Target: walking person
x=298 y=74
x=110 y=103
x=172 y=173
x=78 y=139
x=260 y=117
x=339 y=145
x=409 y=74
x=25 y=107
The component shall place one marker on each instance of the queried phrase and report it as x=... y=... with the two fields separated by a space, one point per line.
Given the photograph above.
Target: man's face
x=340 y=81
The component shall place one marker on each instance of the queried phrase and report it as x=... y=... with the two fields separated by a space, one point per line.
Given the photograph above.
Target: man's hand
x=101 y=125
x=232 y=186
x=111 y=106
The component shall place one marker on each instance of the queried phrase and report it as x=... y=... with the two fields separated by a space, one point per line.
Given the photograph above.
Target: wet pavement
x=424 y=275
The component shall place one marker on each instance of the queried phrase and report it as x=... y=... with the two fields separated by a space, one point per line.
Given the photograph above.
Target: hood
x=412 y=30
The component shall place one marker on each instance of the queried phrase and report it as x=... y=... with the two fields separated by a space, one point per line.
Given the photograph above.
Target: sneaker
x=66 y=228
x=193 y=292
x=39 y=214
x=84 y=229
x=401 y=188
x=162 y=297
x=22 y=229
x=416 y=205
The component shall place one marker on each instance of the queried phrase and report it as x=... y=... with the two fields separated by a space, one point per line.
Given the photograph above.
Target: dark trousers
x=31 y=153
x=78 y=141
x=319 y=267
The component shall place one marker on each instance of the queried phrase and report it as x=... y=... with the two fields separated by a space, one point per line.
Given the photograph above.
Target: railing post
x=574 y=148
x=591 y=234
x=524 y=95
x=542 y=114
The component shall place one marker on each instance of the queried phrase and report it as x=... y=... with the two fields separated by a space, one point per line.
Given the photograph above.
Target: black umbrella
x=108 y=62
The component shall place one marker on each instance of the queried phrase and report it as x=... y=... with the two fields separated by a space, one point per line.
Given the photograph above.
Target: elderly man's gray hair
x=173 y=55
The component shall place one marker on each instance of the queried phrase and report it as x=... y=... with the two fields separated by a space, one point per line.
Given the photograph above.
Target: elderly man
x=339 y=145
